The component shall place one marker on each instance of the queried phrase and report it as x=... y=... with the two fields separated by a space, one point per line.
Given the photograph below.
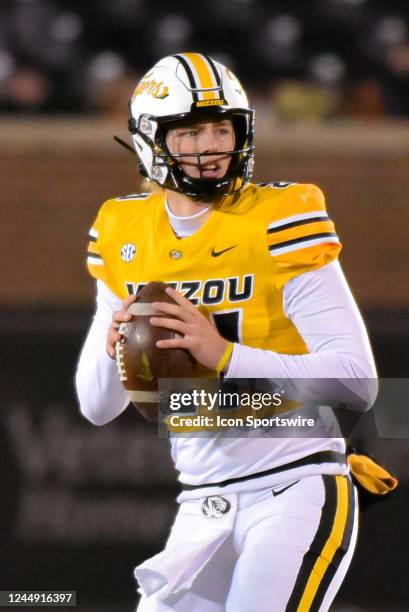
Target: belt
x=314 y=459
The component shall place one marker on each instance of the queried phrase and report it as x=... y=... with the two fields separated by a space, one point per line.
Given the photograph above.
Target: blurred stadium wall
x=56 y=173
x=81 y=505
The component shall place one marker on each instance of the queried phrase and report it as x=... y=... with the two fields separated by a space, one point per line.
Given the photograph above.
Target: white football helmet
x=184 y=87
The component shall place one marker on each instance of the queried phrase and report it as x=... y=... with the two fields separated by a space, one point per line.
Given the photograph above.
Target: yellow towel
x=370 y=475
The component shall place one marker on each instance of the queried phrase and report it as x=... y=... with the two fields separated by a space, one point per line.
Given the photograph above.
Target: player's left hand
x=199 y=336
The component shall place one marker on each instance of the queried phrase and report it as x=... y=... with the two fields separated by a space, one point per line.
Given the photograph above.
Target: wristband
x=225 y=357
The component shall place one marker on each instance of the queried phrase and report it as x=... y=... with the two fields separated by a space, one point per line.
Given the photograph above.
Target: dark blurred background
x=81 y=505
x=301 y=60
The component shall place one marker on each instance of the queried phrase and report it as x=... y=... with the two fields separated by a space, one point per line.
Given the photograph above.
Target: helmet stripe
x=216 y=75
x=213 y=69
x=204 y=76
x=190 y=76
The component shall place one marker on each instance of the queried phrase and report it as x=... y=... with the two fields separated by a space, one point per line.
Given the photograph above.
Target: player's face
x=212 y=137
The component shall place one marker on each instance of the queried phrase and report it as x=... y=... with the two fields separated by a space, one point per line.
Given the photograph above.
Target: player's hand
x=118 y=317
x=198 y=335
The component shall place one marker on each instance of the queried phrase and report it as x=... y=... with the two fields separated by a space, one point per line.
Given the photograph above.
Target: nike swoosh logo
x=275 y=493
x=217 y=253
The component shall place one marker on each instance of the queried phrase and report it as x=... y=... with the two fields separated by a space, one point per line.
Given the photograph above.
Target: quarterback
x=265 y=524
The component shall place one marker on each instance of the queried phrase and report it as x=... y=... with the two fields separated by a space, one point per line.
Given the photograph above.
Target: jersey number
x=228 y=324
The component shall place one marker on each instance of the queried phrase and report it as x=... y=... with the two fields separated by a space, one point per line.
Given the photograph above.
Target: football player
x=265 y=523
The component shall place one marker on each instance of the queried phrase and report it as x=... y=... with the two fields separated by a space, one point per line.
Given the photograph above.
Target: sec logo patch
x=128 y=252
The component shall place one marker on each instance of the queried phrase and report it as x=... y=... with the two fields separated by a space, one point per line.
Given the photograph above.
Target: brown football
x=140 y=362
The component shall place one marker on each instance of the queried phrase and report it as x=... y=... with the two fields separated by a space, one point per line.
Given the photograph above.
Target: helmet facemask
x=166 y=168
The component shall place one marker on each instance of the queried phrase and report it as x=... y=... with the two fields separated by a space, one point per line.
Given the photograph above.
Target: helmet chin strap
x=206 y=185
x=200 y=164
x=124 y=144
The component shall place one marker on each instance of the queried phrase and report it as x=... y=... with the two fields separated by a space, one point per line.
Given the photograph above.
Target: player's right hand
x=118 y=317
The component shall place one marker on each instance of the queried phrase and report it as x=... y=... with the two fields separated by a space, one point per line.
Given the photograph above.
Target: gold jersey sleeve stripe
x=300 y=232
x=303 y=243
x=293 y=219
x=93 y=249
x=96 y=268
x=287 y=224
x=94 y=260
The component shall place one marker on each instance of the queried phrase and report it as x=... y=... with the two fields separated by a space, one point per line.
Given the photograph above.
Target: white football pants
x=285 y=549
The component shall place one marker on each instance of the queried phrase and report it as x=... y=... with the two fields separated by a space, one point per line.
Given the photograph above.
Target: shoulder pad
x=300 y=235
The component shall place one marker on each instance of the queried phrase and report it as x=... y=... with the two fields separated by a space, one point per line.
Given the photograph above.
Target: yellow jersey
x=234 y=268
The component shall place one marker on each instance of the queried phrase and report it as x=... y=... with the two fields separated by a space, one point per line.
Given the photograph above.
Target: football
x=140 y=362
